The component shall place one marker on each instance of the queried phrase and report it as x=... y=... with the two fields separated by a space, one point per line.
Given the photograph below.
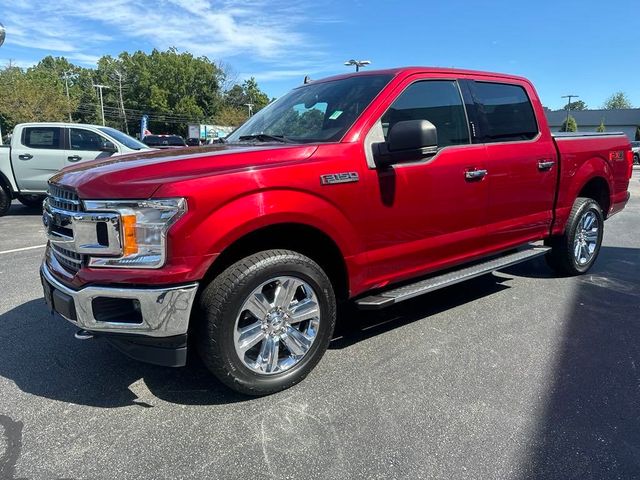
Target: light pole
x=250 y=107
x=566 y=124
x=66 y=86
x=357 y=63
x=100 y=87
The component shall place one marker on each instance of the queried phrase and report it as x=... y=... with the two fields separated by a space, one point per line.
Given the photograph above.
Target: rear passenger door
x=36 y=156
x=521 y=163
x=84 y=145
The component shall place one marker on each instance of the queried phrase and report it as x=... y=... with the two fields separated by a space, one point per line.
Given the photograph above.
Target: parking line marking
x=23 y=249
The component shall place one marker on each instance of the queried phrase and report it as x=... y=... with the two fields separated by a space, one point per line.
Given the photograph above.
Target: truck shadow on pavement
x=589 y=425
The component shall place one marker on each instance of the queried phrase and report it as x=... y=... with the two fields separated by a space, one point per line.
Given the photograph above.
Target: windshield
x=123 y=138
x=316 y=112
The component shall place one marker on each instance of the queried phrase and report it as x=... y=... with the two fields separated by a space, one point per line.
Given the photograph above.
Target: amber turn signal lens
x=130 y=246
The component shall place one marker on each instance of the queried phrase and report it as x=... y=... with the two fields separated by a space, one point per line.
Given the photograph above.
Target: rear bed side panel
x=584 y=158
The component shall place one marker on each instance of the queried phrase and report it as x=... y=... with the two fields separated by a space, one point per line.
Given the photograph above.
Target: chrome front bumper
x=164 y=312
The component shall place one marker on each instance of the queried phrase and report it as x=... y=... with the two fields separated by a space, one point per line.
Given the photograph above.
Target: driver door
x=426 y=213
x=84 y=145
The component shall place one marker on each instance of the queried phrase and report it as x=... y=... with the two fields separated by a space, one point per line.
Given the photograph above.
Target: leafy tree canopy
x=173 y=88
x=616 y=101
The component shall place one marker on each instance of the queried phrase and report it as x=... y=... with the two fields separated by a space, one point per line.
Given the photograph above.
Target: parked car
x=164 y=141
x=38 y=150
x=635 y=147
x=370 y=187
x=194 y=142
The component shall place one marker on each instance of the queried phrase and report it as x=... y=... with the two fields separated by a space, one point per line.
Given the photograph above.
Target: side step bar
x=400 y=294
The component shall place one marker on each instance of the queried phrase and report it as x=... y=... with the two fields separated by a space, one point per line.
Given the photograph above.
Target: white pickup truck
x=38 y=150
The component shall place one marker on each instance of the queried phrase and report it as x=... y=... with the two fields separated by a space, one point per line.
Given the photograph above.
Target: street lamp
x=569 y=97
x=357 y=63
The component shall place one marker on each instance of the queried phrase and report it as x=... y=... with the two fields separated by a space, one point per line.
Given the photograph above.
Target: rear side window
x=42 y=137
x=437 y=101
x=506 y=112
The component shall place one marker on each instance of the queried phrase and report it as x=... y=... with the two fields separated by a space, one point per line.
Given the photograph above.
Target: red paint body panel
x=390 y=225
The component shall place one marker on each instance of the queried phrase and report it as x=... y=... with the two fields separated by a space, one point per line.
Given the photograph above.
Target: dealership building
x=624 y=120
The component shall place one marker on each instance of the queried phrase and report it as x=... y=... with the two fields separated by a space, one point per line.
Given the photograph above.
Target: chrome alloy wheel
x=277 y=325
x=586 y=238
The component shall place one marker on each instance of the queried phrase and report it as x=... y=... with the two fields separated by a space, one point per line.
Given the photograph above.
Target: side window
x=437 y=101
x=506 y=111
x=80 y=139
x=42 y=137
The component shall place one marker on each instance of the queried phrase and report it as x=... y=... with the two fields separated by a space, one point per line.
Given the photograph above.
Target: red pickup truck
x=372 y=187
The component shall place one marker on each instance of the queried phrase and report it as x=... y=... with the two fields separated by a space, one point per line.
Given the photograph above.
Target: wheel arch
x=299 y=237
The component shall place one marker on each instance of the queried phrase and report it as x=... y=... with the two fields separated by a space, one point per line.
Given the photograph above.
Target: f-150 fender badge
x=333 y=178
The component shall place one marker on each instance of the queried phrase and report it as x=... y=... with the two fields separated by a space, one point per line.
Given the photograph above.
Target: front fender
x=251 y=212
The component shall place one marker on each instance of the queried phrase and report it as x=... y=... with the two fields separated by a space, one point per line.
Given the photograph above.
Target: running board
x=400 y=294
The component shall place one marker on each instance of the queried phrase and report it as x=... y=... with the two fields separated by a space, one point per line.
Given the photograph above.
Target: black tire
x=636 y=159
x=220 y=304
x=562 y=257
x=31 y=201
x=5 y=200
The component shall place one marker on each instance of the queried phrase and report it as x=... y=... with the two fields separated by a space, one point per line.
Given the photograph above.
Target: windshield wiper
x=265 y=137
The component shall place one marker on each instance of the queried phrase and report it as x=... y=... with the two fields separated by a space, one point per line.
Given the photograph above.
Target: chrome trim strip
x=165 y=311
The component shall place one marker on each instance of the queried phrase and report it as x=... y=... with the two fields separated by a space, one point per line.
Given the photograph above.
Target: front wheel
x=576 y=251
x=266 y=321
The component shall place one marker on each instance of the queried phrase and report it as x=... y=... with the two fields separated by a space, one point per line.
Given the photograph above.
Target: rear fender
x=574 y=178
x=6 y=172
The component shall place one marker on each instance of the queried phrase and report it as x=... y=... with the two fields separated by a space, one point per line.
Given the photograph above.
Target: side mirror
x=108 y=147
x=408 y=141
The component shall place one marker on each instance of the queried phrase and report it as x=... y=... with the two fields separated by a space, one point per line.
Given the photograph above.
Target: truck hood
x=139 y=175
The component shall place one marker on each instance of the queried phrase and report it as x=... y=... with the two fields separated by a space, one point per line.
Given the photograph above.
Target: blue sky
x=588 y=47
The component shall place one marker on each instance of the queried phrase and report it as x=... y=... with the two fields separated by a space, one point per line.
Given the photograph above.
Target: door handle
x=74 y=158
x=25 y=156
x=475 y=174
x=546 y=164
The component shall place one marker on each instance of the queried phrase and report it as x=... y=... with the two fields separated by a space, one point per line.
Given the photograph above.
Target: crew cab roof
x=407 y=71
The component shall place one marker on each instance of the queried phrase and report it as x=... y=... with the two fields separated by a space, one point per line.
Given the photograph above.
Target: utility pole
x=357 y=63
x=66 y=85
x=250 y=107
x=124 y=114
x=566 y=124
x=100 y=87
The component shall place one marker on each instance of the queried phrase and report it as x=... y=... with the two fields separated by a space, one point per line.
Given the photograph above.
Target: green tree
x=577 y=105
x=601 y=128
x=34 y=95
x=617 y=101
x=569 y=125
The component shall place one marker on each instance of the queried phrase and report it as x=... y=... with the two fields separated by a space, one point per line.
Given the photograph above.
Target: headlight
x=144 y=226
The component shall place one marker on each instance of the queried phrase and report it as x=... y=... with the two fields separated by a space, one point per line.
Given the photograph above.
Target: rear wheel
x=636 y=159
x=576 y=251
x=267 y=321
x=31 y=201
x=5 y=200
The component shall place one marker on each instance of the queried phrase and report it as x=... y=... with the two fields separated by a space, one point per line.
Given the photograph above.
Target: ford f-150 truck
x=39 y=150
x=370 y=188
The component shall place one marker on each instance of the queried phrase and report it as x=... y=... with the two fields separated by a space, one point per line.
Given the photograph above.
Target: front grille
x=69 y=259
x=63 y=198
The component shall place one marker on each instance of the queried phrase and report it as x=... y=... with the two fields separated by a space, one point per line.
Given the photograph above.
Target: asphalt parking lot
x=514 y=375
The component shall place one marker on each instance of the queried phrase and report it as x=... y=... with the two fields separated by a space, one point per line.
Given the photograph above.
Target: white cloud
x=268 y=32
